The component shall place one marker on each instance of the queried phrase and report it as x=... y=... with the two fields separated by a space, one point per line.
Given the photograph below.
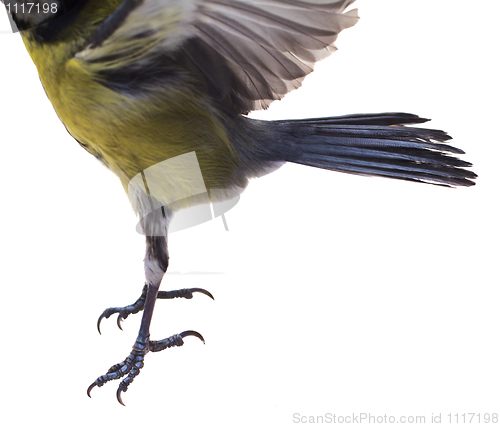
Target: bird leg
x=155 y=266
x=123 y=312
x=132 y=365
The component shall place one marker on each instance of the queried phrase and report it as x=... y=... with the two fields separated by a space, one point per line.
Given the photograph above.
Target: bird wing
x=248 y=52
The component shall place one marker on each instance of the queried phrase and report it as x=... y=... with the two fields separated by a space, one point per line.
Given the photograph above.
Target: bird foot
x=133 y=364
x=123 y=312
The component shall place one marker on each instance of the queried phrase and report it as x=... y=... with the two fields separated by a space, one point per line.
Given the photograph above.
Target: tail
x=376 y=145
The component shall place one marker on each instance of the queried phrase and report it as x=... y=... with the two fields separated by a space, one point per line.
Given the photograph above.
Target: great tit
x=159 y=90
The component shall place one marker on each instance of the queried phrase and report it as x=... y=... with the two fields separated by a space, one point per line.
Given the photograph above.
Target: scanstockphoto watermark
x=368 y=418
x=359 y=418
x=177 y=185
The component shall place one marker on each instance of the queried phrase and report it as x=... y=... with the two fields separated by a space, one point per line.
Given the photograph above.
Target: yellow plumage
x=130 y=134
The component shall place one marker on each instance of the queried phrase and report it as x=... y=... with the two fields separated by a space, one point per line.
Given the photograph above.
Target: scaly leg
x=132 y=365
x=123 y=312
x=155 y=264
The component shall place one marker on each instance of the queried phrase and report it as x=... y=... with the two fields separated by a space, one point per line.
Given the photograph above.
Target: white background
x=336 y=294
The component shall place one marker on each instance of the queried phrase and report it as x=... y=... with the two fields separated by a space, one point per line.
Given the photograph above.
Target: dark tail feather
x=377 y=145
x=365 y=119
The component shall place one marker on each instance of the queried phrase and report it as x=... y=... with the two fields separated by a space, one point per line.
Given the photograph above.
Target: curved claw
x=99 y=323
x=90 y=388
x=119 y=322
x=119 y=396
x=193 y=334
x=108 y=313
x=202 y=291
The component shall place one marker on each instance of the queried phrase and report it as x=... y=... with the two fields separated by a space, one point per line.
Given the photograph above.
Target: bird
x=159 y=91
